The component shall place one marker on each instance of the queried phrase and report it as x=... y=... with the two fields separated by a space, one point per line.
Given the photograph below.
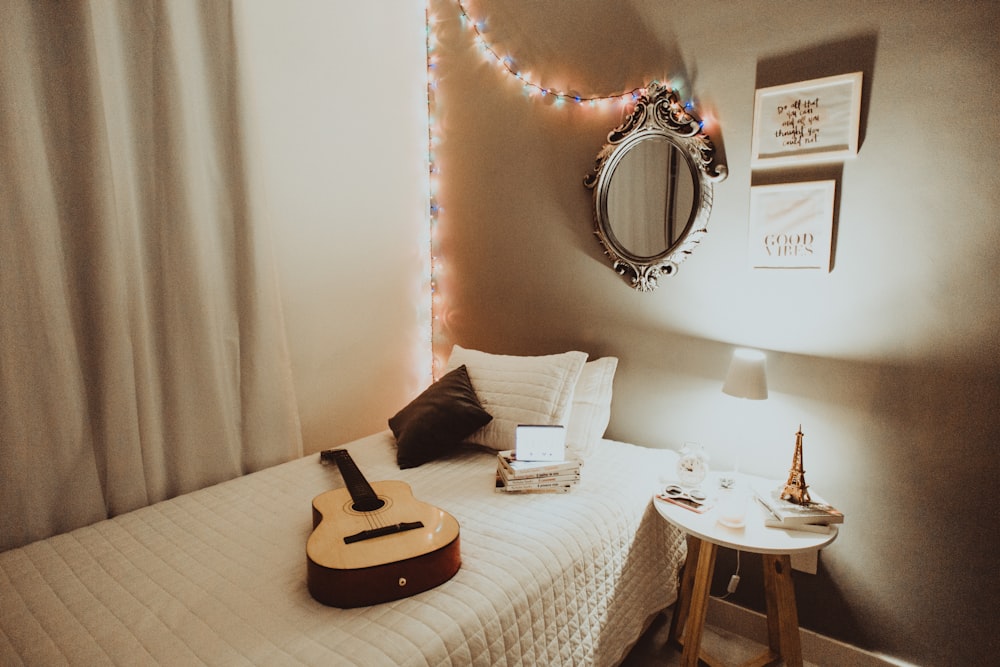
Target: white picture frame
x=791 y=225
x=807 y=122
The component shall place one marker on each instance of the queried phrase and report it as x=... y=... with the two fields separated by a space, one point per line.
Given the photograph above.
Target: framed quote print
x=791 y=225
x=811 y=121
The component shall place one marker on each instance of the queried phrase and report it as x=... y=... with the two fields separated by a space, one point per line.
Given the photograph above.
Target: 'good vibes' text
x=788 y=245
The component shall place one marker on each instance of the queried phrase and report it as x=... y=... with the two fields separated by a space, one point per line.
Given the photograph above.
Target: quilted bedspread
x=217 y=576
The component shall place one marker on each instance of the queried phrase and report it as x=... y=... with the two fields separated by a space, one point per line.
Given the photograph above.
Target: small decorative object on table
x=692 y=465
x=733 y=501
x=796 y=489
x=792 y=506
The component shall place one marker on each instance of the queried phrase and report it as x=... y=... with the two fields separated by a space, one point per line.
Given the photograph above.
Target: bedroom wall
x=338 y=102
x=889 y=361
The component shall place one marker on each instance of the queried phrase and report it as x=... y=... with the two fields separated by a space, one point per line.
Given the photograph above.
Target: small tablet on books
x=536 y=442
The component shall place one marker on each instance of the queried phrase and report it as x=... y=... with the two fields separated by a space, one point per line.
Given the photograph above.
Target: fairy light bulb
x=532 y=87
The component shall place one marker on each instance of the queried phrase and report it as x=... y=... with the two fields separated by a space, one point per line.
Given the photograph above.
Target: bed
x=218 y=576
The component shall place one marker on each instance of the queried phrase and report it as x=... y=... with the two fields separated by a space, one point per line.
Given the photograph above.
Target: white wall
x=337 y=97
x=889 y=362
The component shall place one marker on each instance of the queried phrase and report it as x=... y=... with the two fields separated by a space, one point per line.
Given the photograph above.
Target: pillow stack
x=483 y=397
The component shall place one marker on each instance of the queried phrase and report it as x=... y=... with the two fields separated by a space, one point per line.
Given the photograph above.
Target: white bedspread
x=217 y=576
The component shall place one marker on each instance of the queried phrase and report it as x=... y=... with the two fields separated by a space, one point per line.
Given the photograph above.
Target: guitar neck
x=364 y=496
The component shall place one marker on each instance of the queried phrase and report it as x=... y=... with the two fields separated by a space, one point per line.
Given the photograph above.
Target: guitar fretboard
x=364 y=496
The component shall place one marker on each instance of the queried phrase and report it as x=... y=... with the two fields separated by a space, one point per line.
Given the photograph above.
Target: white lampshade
x=747 y=376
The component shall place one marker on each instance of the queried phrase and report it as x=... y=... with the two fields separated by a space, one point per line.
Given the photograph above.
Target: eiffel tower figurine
x=796 y=489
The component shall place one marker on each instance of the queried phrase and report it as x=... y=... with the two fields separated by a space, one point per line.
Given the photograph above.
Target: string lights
x=532 y=88
x=434 y=209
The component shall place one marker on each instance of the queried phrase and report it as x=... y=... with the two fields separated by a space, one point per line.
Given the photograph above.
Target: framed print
x=791 y=225
x=811 y=121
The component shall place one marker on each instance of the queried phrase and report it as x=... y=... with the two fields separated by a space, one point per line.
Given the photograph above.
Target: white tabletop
x=754 y=536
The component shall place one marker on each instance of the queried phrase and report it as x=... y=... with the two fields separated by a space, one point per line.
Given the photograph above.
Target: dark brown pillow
x=437 y=420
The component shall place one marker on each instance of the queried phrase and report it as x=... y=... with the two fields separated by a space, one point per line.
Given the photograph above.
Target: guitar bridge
x=385 y=530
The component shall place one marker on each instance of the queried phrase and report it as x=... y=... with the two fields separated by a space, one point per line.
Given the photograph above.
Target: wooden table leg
x=782 y=614
x=696 y=606
x=683 y=604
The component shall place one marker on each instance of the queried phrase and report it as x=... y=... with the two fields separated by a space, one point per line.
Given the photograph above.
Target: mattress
x=218 y=576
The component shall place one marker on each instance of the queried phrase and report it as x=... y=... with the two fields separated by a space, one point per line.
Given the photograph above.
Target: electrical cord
x=734 y=580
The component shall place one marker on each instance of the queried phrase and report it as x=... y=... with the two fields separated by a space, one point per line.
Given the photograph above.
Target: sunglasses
x=675 y=492
x=692 y=499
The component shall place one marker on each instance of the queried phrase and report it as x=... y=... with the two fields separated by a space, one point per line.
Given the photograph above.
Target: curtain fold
x=142 y=349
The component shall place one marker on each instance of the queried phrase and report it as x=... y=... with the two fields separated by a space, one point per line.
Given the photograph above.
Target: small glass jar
x=732 y=504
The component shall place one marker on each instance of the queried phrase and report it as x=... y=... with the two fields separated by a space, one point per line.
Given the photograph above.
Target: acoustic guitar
x=375 y=542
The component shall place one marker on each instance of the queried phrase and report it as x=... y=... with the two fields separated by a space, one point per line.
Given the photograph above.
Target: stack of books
x=816 y=516
x=515 y=476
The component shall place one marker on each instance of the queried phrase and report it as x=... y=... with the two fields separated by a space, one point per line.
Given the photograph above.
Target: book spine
x=523 y=471
x=538 y=484
x=797 y=516
x=544 y=477
x=568 y=475
x=537 y=481
x=535 y=468
x=554 y=489
x=503 y=488
x=804 y=527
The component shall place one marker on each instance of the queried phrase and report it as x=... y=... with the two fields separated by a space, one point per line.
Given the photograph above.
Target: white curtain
x=142 y=350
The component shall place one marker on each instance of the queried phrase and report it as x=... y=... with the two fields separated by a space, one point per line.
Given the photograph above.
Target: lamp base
x=734 y=522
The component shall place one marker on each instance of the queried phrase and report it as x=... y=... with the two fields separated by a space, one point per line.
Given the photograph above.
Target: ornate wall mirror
x=652 y=184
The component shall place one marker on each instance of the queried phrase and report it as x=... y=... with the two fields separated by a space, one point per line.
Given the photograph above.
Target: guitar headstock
x=329 y=456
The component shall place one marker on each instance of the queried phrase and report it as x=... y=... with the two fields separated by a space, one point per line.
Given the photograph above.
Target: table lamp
x=747 y=375
x=746 y=378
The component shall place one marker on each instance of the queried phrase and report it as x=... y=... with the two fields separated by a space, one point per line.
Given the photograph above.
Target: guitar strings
x=373 y=518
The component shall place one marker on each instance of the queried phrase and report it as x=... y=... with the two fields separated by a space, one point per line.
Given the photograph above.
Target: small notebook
x=535 y=442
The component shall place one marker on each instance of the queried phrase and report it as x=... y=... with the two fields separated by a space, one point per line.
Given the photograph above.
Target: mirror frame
x=658 y=112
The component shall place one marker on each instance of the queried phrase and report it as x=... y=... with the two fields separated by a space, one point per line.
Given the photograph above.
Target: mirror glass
x=651 y=197
x=652 y=184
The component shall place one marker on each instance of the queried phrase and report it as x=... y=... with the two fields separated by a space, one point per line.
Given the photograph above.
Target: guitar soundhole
x=368 y=504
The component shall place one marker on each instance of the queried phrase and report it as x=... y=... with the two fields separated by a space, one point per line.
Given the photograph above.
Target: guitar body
x=367 y=547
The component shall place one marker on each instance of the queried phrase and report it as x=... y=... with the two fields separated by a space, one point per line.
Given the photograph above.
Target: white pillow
x=591 y=406
x=519 y=390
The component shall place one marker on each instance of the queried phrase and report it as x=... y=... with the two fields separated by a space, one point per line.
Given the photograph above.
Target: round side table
x=704 y=535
